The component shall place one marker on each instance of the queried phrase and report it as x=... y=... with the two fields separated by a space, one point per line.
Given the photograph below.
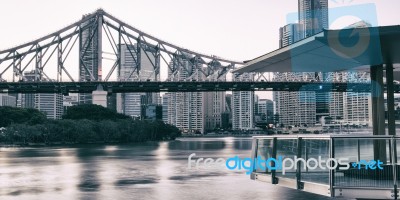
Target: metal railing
x=335 y=165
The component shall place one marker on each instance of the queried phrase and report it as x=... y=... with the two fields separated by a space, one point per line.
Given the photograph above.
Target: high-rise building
x=50 y=104
x=356 y=108
x=89 y=56
x=265 y=110
x=27 y=100
x=295 y=108
x=214 y=107
x=138 y=63
x=290 y=34
x=165 y=108
x=243 y=105
x=186 y=110
x=336 y=106
x=302 y=108
x=313 y=16
x=7 y=100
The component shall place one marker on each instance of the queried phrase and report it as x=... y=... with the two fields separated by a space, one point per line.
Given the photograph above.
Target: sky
x=234 y=29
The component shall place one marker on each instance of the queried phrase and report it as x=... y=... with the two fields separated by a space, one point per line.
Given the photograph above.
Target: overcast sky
x=234 y=29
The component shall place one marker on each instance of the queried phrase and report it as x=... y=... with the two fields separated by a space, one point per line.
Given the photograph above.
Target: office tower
x=336 y=106
x=265 y=110
x=290 y=34
x=313 y=16
x=303 y=108
x=138 y=63
x=27 y=100
x=295 y=108
x=165 y=108
x=357 y=108
x=349 y=107
x=90 y=57
x=7 y=100
x=243 y=106
x=186 y=110
x=51 y=104
x=214 y=103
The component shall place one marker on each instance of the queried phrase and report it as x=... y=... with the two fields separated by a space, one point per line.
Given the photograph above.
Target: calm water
x=156 y=170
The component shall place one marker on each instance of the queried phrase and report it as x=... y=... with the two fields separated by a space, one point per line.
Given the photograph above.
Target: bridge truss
x=51 y=62
x=49 y=58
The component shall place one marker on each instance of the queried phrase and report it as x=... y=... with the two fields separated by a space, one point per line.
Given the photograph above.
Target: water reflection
x=152 y=170
x=196 y=145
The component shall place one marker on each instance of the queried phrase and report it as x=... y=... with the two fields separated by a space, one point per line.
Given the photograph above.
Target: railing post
x=300 y=185
x=254 y=155
x=358 y=151
x=331 y=172
x=393 y=151
x=274 y=152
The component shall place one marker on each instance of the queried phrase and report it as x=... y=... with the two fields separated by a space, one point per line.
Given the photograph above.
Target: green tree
x=10 y=115
x=92 y=112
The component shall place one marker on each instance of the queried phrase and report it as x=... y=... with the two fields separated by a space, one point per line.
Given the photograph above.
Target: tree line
x=80 y=124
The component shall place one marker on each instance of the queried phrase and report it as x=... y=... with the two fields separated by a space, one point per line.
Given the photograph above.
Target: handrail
x=365 y=180
x=327 y=136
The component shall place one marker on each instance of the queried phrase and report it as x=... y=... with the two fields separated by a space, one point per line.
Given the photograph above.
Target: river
x=151 y=170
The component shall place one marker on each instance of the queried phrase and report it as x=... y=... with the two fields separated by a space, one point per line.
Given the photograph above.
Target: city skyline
x=178 y=99
x=167 y=22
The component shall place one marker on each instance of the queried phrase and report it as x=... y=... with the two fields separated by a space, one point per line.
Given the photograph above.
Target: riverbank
x=83 y=124
x=62 y=144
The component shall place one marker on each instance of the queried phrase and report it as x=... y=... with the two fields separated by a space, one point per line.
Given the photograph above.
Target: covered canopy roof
x=333 y=50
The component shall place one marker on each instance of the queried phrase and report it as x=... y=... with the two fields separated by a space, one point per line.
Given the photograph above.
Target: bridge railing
x=349 y=166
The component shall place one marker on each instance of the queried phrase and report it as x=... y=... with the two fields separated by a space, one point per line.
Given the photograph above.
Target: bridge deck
x=122 y=87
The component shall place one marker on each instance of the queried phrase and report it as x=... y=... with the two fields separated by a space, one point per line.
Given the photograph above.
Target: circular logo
x=349 y=42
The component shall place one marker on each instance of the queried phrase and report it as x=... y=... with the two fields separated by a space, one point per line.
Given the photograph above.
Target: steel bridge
x=48 y=65
x=50 y=57
x=123 y=87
